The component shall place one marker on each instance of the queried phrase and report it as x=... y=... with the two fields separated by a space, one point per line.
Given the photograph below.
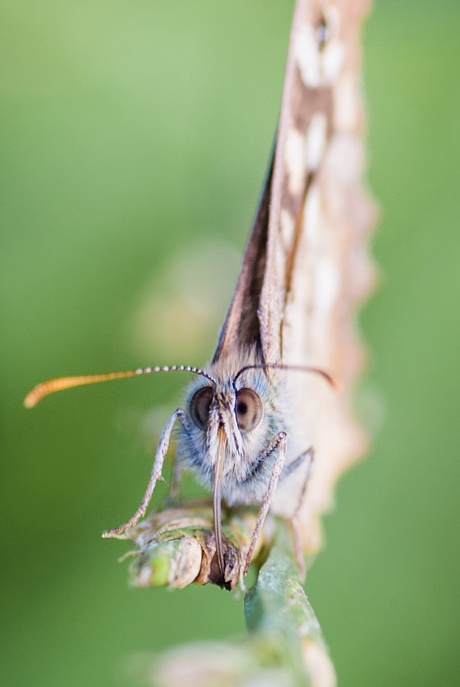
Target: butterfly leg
x=155 y=476
x=308 y=455
x=173 y=494
x=279 y=442
x=295 y=524
x=175 y=481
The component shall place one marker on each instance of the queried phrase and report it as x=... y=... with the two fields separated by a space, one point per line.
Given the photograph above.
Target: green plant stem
x=279 y=616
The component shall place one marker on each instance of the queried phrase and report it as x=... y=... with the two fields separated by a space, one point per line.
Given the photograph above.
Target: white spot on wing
x=318 y=67
x=304 y=152
x=327 y=287
x=316 y=139
x=307 y=56
x=294 y=157
x=312 y=215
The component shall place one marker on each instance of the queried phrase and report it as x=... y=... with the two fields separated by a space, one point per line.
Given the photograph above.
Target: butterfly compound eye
x=249 y=409
x=200 y=405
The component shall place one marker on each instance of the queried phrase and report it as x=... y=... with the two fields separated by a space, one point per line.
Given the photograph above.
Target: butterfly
x=247 y=428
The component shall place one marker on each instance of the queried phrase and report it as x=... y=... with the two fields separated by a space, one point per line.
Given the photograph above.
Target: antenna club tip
x=30 y=400
x=335 y=382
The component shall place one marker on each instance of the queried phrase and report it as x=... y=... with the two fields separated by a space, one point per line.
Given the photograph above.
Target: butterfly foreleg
x=177 y=465
x=279 y=442
x=155 y=475
x=175 y=481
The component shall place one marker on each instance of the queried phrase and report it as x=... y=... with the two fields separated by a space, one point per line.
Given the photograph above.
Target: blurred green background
x=134 y=140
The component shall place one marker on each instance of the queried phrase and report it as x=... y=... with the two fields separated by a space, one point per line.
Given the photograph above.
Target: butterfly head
x=226 y=411
x=230 y=419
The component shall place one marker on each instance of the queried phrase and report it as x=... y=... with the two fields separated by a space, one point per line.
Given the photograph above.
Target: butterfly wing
x=306 y=265
x=317 y=265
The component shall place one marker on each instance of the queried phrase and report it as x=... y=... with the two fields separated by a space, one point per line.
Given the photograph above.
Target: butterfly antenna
x=297 y=368
x=61 y=383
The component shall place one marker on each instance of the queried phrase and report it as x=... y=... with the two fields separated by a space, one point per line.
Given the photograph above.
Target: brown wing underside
x=241 y=326
x=257 y=309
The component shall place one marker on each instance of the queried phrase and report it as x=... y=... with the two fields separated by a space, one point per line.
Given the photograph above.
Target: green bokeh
x=132 y=132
